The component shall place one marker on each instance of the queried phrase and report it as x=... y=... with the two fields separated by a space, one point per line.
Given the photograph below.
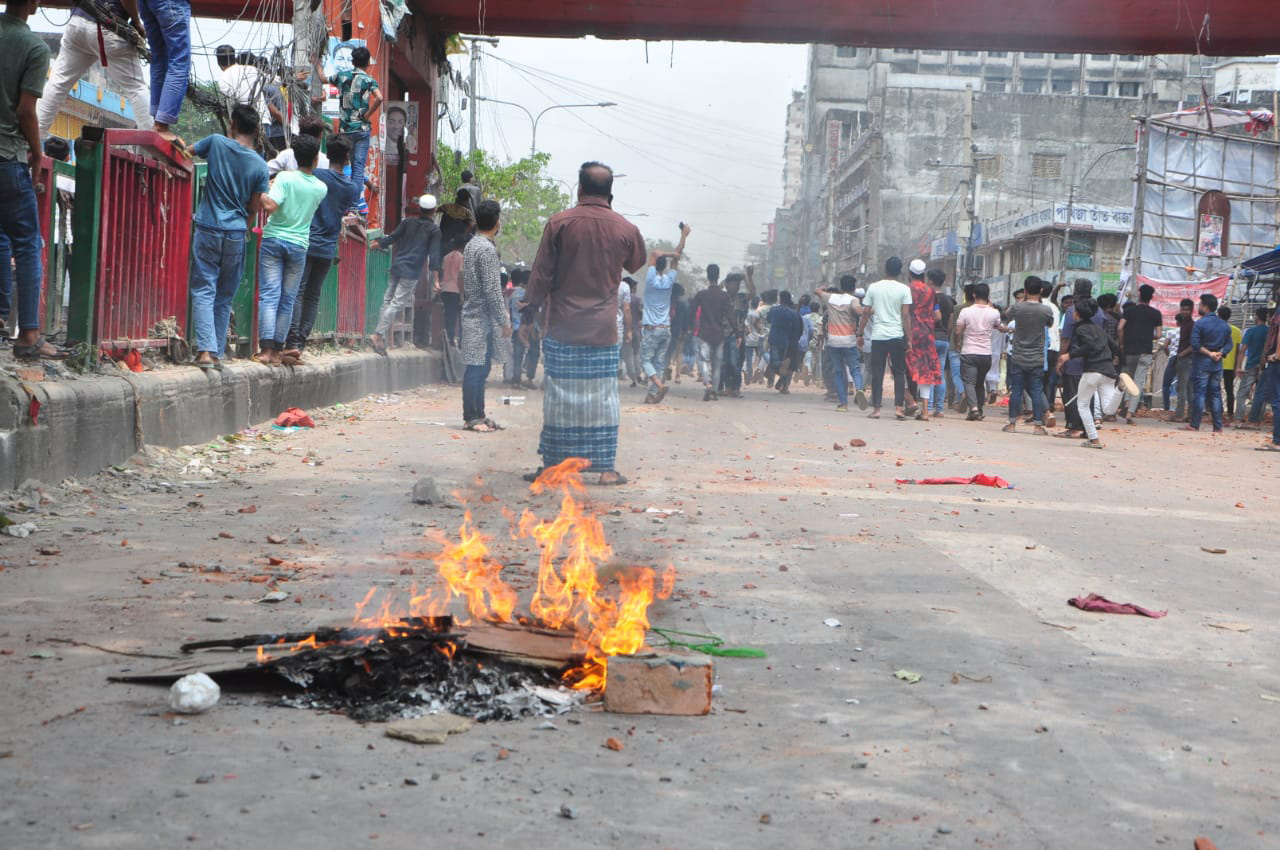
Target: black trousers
x=452 y=303
x=1070 y=386
x=895 y=351
x=1229 y=384
x=307 y=305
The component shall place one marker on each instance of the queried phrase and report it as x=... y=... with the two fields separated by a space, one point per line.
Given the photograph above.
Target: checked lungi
x=579 y=404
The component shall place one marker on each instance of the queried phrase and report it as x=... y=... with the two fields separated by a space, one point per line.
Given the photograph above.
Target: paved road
x=1097 y=731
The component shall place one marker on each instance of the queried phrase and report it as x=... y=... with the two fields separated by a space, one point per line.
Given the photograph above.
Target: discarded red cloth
x=295 y=416
x=981 y=478
x=1101 y=604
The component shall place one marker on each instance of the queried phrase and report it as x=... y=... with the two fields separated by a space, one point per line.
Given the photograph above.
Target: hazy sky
x=697 y=132
x=698 y=135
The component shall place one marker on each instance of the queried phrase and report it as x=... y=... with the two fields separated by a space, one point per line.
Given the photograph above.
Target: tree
x=199 y=117
x=527 y=194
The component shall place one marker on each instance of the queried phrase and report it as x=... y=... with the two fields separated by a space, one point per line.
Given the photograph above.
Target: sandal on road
x=41 y=349
x=480 y=426
x=616 y=481
x=1268 y=447
x=532 y=476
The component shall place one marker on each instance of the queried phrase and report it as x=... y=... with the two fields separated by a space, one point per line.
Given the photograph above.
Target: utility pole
x=476 y=41
x=969 y=183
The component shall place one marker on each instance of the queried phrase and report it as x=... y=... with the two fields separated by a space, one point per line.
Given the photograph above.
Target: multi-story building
x=1242 y=83
x=793 y=151
x=905 y=150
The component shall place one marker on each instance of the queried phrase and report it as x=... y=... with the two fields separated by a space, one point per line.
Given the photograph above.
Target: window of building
x=846 y=52
x=997 y=54
x=1047 y=165
x=1064 y=56
x=966 y=53
x=1128 y=89
x=1130 y=57
x=931 y=52
x=903 y=52
x=988 y=165
x=1062 y=86
x=1100 y=88
x=1100 y=57
x=1032 y=55
x=995 y=86
x=1032 y=86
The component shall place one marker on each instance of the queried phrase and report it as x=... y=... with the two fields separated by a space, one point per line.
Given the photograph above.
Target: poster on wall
x=400 y=129
x=1210 y=242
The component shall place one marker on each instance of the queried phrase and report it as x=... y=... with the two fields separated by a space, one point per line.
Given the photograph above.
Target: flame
x=570 y=594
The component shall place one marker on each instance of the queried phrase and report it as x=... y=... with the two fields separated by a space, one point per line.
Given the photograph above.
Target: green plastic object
x=707 y=644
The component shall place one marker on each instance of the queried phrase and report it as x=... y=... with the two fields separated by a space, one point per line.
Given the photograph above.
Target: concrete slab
x=90 y=423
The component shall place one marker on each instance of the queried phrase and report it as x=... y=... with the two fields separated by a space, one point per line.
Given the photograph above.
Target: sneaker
x=972 y=416
x=1011 y=428
x=860 y=399
x=706 y=395
x=1041 y=431
x=1050 y=421
x=842 y=408
x=1092 y=444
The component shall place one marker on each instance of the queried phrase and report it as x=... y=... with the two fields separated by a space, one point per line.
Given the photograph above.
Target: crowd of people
x=1053 y=345
x=303 y=193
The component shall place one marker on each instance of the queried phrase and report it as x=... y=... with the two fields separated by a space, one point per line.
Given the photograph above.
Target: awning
x=1268 y=263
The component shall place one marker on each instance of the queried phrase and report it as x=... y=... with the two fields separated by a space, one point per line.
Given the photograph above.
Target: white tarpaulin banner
x=1183 y=163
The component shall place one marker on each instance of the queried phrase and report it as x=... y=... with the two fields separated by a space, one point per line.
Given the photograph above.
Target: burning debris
x=412 y=657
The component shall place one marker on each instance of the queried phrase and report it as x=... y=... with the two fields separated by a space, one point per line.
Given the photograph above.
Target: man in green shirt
x=291 y=203
x=24 y=65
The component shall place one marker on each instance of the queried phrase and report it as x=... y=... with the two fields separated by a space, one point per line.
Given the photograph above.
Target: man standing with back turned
x=24 y=62
x=576 y=275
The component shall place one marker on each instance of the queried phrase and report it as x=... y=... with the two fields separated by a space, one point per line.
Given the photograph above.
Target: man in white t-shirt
x=887 y=308
x=977 y=322
x=240 y=83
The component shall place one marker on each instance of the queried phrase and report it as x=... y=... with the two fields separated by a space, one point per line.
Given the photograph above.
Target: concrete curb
x=88 y=424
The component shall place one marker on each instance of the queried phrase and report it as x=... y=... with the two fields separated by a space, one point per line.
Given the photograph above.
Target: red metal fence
x=351 y=287
x=143 y=191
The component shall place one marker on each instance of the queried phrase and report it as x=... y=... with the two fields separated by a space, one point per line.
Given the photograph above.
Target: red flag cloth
x=981 y=478
x=295 y=416
x=1103 y=605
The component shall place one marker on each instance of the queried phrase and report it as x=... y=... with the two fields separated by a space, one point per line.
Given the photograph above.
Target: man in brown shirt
x=575 y=275
x=714 y=312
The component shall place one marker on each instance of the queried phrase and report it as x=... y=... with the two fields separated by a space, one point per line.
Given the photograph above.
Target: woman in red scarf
x=922 y=356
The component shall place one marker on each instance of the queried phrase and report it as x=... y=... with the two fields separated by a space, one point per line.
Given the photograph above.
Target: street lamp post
x=534 y=119
x=1071 y=201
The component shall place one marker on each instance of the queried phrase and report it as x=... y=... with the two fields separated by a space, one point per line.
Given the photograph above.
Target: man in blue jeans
x=168 y=25
x=358 y=100
x=24 y=65
x=1210 y=343
x=1030 y=319
x=842 y=340
x=233 y=190
x=941 y=338
x=291 y=203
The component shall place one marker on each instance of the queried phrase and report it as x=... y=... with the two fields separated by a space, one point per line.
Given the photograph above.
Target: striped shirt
x=842 y=320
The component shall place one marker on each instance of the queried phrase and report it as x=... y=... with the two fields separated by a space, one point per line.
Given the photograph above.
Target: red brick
x=659 y=683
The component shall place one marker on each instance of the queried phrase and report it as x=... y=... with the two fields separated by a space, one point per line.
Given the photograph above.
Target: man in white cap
x=417 y=243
